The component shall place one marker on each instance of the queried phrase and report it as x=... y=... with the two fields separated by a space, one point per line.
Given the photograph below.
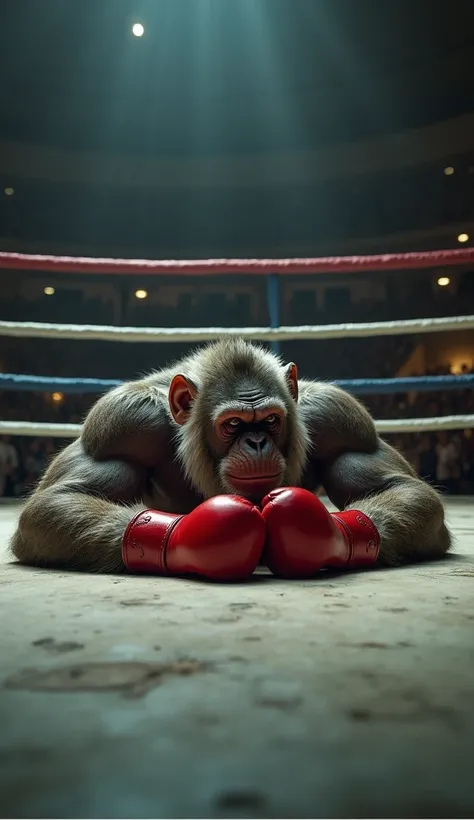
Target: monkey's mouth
x=255 y=486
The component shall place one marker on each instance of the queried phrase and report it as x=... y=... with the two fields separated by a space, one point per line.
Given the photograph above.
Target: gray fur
x=132 y=455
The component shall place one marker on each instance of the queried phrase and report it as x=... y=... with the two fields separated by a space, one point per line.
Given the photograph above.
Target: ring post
x=273 y=304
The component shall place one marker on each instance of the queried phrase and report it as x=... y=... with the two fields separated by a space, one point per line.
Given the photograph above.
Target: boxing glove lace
x=221 y=540
x=304 y=537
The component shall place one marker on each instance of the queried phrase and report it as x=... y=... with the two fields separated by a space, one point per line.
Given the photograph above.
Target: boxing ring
x=272 y=269
x=349 y=695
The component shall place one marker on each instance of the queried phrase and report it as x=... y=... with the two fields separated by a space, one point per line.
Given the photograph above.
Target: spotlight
x=463 y=237
x=449 y=171
x=138 y=30
x=141 y=294
x=57 y=397
x=49 y=291
x=9 y=191
x=443 y=281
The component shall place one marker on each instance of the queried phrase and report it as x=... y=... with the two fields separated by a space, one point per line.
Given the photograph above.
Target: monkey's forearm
x=407 y=512
x=78 y=514
x=63 y=528
x=410 y=521
x=221 y=540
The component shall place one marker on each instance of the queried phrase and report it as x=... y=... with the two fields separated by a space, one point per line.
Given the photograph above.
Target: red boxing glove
x=303 y=536
x=222 y=540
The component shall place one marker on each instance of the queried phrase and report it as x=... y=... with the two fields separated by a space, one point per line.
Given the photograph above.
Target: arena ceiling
x=230 y=75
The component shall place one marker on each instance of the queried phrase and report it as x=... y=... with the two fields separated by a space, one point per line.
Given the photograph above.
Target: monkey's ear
x=181 y=394
x=291 y=374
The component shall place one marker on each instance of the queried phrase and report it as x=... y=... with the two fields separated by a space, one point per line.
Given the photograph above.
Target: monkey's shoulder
x=130 y=422
x=327 y=400
x=335 y=420
x=134 y=401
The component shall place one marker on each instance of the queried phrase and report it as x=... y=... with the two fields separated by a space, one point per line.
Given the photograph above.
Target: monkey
x=229 y=420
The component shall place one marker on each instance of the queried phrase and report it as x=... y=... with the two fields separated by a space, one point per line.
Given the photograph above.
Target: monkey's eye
x=273 y=421
x=233 y=422
x=231 y=426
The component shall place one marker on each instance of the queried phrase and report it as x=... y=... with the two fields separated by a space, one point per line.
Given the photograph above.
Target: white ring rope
x=423 y=425
x=111 y=333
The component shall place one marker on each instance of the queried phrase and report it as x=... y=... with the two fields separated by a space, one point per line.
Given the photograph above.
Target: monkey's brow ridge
x=251 y=395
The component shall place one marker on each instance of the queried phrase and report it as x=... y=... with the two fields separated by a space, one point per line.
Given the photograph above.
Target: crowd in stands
x=22 y=461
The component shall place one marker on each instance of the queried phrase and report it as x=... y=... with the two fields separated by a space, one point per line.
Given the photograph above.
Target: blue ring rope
x=424 y=384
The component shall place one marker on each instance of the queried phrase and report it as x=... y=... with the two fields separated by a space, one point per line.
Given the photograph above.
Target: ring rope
x=112 y=333
x=346 y=264
x=201 y=267
x=50 y=429
x=421 y=384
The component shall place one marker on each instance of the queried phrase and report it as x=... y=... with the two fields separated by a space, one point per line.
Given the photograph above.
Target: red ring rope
x=201 y=267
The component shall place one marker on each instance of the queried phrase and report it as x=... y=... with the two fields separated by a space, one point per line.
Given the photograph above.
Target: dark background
x=217 y=77
x=213 y=83
x=236 y=127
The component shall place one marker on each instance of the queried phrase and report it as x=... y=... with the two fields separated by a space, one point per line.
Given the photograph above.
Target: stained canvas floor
x=346 y=696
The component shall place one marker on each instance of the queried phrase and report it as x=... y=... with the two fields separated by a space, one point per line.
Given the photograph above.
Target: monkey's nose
x=256 y=443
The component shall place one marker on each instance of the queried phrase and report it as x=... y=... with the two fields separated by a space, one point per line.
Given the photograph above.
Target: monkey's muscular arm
x=77 y=516
x=361 y=471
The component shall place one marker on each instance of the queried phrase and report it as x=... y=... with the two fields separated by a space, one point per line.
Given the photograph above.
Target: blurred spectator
x=448 y=462
x=35 y=461
x=9 y=463
x=427 y=459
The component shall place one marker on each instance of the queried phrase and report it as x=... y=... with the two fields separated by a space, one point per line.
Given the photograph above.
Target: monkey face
x=238 y=429
x=251 y=463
